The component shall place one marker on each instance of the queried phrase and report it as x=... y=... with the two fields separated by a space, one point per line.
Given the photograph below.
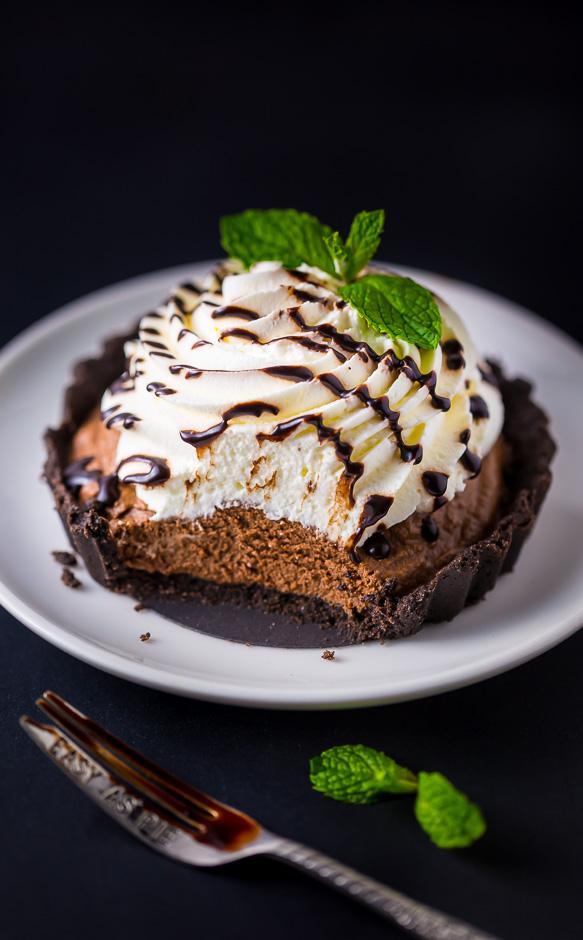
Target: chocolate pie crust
x=351 y=603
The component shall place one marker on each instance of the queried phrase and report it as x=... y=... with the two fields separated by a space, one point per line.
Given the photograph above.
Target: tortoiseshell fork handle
x=411 y=916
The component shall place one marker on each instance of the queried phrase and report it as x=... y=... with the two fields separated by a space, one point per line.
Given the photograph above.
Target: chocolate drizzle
x=185 y=332
x=125 y=383
x=291 y=373
x=241 y=313
x=435 y=482
x=478 y=408
x=108 y=491
x=344 y=340
x=157 y=472
x=453 y=351
x=178 y=301
x=160 y=389
x=241 y=333
x=407 y=365
x=310 y=344
x=468 y=459
x=409 y=452
x=429 y=529
x=377 y=546
x=352 y=470
x=192 y=288
x=306 y=297
x=189 y=371
x=255 y=408
x=77 y=475
x=428 y=379
x=125 y=418
x=204 y=438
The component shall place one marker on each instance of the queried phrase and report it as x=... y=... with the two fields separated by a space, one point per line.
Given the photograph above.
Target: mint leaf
x=363 y=240
x=338 y=252
x=354 y=773
x=283 y=235
x=448 y=817
x=397 y=306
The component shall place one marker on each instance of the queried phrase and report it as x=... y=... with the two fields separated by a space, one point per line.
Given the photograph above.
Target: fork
x=184 y=824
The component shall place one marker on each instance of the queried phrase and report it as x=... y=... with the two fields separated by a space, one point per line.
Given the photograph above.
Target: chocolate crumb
x=65 y=558
x=328 y=654
x=144 y=637
x=139 y=607
x=69 y=579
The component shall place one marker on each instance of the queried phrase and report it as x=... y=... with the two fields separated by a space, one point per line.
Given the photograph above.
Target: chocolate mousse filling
x=242 y=576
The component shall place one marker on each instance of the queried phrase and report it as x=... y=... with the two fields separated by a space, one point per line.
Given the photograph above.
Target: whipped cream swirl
x=266 y=390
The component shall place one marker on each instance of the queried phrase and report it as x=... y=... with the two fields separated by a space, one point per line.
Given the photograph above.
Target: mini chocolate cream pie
x=309 y=439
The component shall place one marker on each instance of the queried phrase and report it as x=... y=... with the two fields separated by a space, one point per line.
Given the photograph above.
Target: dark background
x=126 y=134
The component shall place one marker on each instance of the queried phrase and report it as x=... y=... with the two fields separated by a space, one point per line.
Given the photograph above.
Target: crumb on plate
x=69 y=579
x=65 y=558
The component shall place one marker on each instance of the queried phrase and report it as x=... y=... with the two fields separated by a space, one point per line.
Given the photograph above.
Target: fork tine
x=74 y=721
x=111 y=763
x=215 y=823
x=126 y=805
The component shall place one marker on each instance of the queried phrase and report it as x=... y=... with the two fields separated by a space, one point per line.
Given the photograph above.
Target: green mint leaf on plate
x=448 y=817
x=354 y=773
x=397 y=306
x=363 y=240
x=283 y=235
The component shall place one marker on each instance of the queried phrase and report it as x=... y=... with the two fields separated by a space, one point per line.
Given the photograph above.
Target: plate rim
x=351 y=696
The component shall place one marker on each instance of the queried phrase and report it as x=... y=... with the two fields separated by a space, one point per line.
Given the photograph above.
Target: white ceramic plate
x=530 y=610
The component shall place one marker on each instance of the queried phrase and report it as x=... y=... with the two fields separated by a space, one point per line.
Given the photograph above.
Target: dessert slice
x=320 y=441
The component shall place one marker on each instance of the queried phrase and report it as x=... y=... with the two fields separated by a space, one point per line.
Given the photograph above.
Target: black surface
x=126 y=134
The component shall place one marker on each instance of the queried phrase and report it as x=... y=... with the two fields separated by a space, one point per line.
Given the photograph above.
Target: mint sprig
x=293 y=237
x=354 y=773
x=397 y=306
x=283 y=235
x=363 y=240
x=390 y=304
x=448 y=817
